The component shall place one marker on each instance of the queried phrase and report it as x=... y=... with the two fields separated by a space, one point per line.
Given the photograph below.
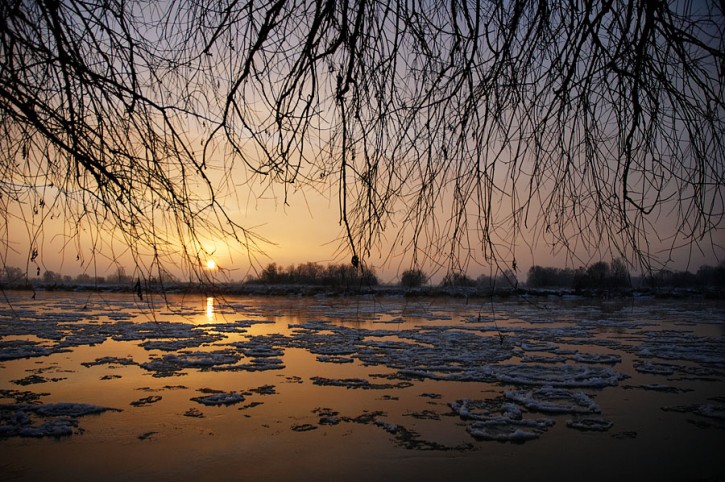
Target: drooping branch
x=461 y=127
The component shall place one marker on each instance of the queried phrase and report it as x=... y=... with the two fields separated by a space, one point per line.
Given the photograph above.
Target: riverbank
x=260 y=289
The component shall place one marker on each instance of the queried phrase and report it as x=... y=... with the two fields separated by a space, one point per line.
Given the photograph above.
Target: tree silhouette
x=465 y=125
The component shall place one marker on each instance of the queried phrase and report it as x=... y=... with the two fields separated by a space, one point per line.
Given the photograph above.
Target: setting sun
x=211 y=264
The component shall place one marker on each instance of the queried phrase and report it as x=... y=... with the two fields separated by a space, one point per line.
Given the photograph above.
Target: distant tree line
x=317 y=275
x=614 y=275
x=706 y=277
x=600 y=275
x=14 y=276
x=415 y=278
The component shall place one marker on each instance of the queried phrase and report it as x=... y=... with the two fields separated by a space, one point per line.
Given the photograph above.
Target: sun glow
x=211 y=264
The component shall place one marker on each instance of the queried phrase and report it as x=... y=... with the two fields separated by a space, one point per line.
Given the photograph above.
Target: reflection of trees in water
x=458 y=125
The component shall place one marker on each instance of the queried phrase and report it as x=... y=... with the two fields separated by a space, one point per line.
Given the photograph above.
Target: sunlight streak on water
x=210 y=309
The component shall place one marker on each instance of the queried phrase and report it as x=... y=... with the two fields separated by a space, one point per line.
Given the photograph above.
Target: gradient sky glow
x=564 y=135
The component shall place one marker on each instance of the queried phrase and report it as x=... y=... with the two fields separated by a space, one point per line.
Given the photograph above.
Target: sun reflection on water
x=210 y=308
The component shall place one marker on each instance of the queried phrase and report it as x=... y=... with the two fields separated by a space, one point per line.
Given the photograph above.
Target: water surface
x=292 y=388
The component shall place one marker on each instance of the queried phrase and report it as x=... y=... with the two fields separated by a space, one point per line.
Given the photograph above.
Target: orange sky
x=306 y=230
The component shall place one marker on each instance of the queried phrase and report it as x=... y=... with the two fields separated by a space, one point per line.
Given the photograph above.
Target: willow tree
x=455 y=127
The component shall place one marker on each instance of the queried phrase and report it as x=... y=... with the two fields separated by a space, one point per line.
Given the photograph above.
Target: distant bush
x=457 y=280
x=712 y=276
x=600 y=275
x=413 y=278
x=542 y=277
x=706 y=277
x=315 y=274
x=10 y=274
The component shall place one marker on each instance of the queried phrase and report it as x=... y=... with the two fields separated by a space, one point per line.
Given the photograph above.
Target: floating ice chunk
x=110 y=360
x=171 y=363
x=424 y=415
x=590 y=424
x=261 y=364
x=304 y=427
x=388 y=427
x=146 y=401
x=678 y=345
x=22 y=396
x=622 y=324
x=687 y=372
x=239 y=326
x=485 y=409
x=654 y=368
x=258 y=350
x=69 y=409
x=58 y=419
x=334 y=359
x=357 y=383
x=660 y=387
x=538 y=346
x=174 y=345
x=512 y=411
x=433 y=396
x=34 y=379
x=554 y=400
x=194 y=412
x=557 y=375
x=504 y=429
x=543 y=359
x=201 y=359
x=222 y=398
x=264 y=390
x=711 y=410
x=127 y=331
x=17 y=349
x=608 y=359
x=327 y=416
x=59 y=427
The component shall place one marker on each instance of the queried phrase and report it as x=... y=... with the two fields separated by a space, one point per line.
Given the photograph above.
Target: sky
x=307 y=227
x=306 y=230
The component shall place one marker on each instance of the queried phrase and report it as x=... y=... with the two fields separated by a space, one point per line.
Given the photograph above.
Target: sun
x=211 y=264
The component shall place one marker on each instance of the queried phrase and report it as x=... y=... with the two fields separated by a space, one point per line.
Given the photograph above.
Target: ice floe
x=502 y=429
x=170 y=364
x=680 y=345
x=590 y=424
x=554 y=400
x=538 y=346
x=532 y=362
x=327 y=416
x=110 y=360
x=497 y=420
x=35 y=379
x=567 y=376
x=221 y=398
x=357 y=383
x=15 y=349
x=146 y=401
x=44 y=420
x=604 y=358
